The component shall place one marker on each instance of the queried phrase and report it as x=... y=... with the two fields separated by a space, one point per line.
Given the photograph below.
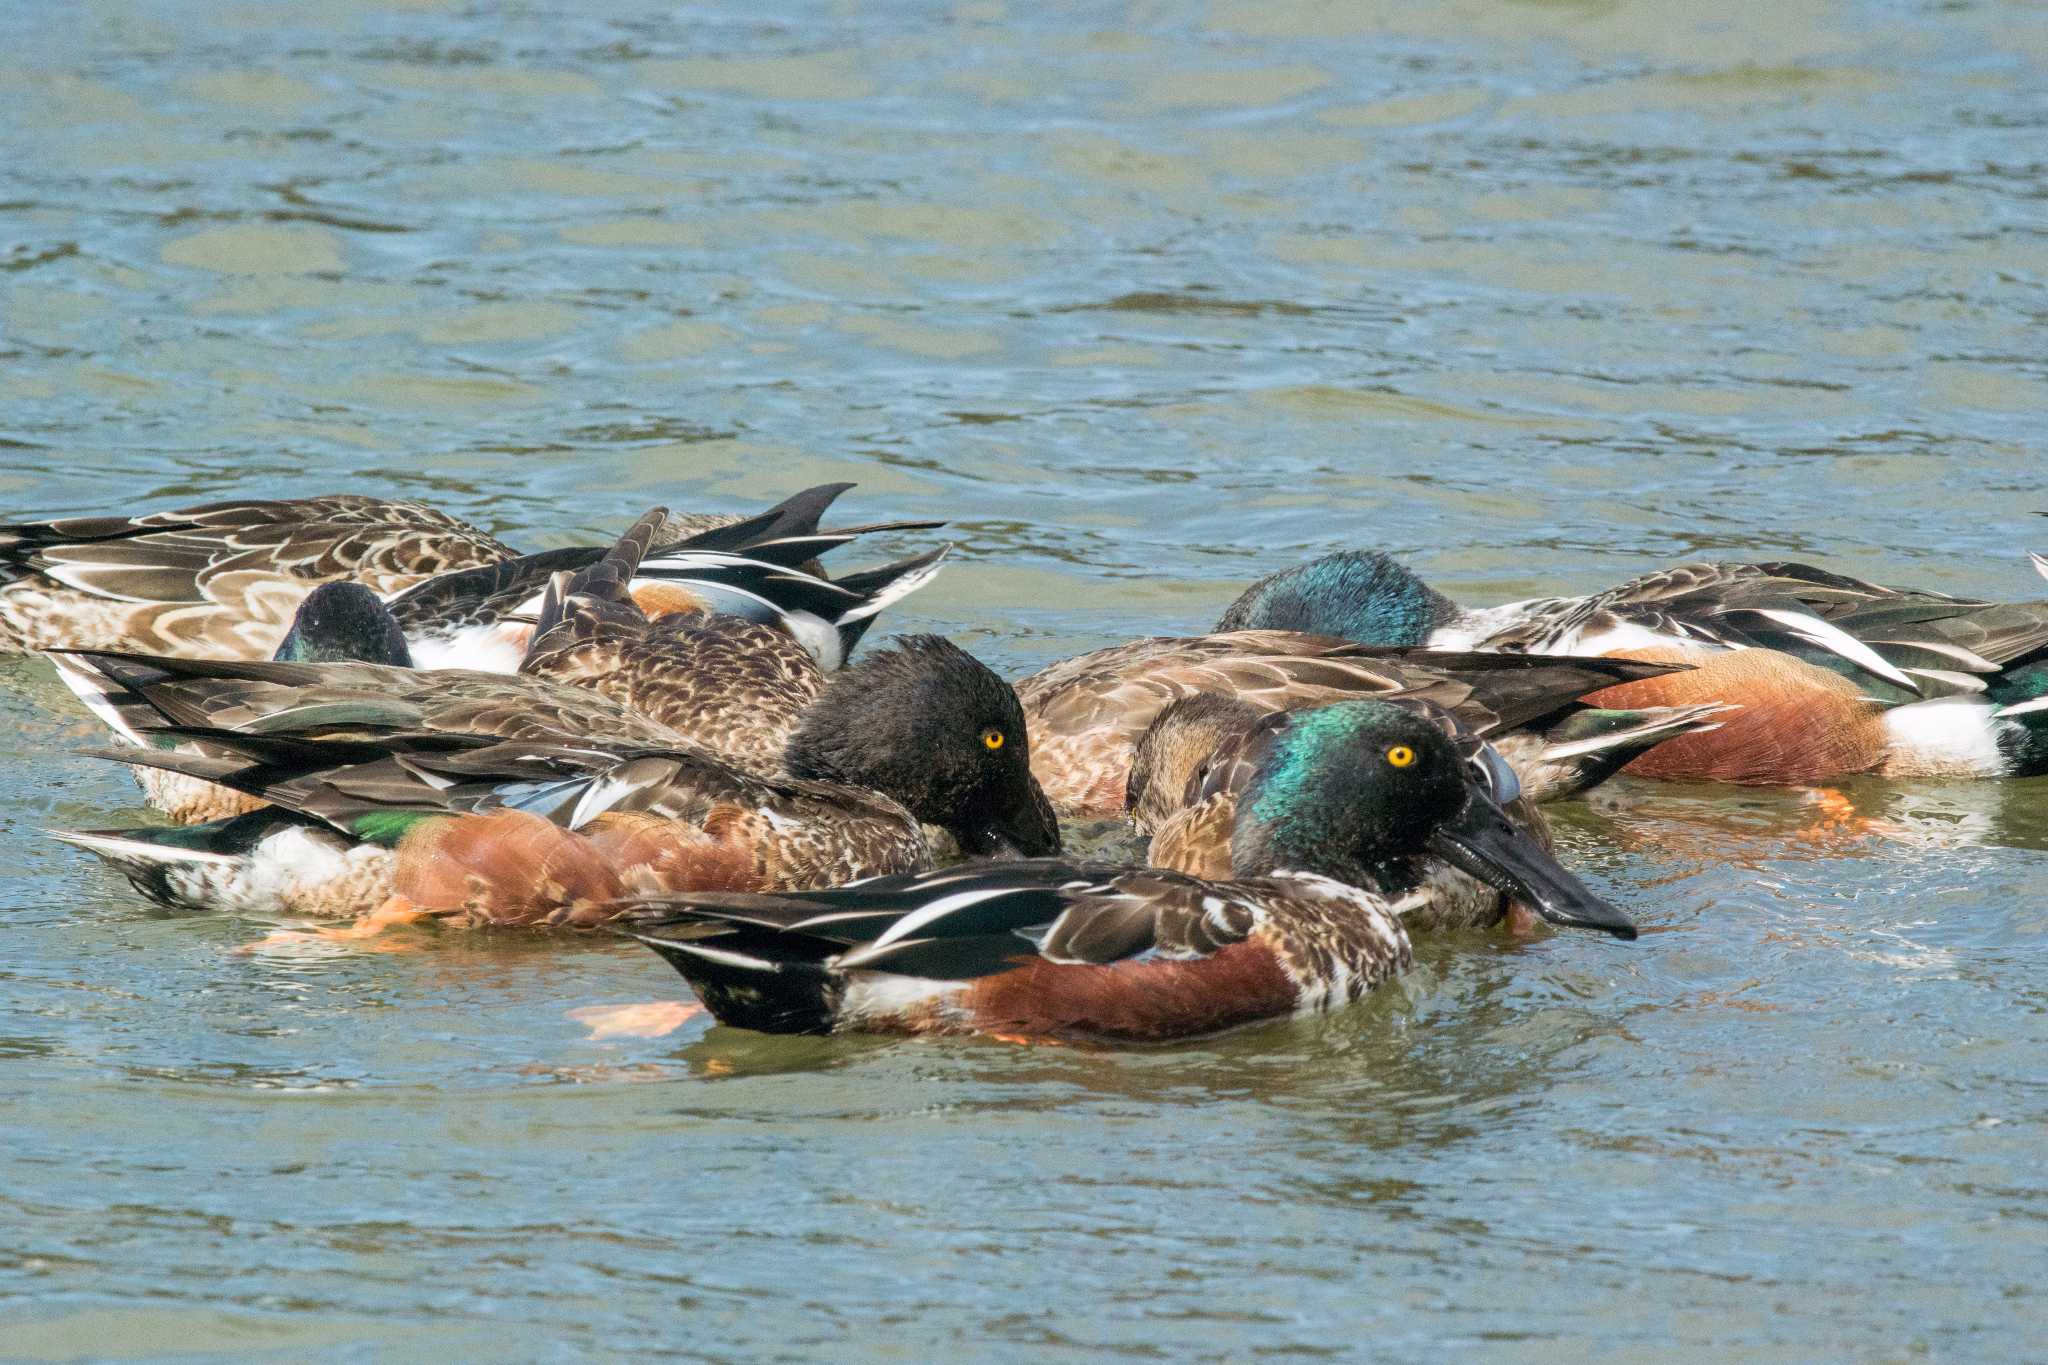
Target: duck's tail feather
x=793 y=518
x=798 y=552
x=120 y=707
x=788 y=533
x=599 y=593
x=827 y=618
x=881 y=588
x=162 y=864
x=185 y=865
x=23 y=543
x=145 y=850
x=609 y=578
x=748 y=978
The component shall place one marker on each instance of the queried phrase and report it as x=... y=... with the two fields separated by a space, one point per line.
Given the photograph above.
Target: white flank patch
x=1627 y=638
x=883 y=995
x=1948 y=737
x=298 y=863
x=485 y=649
x=818 y=636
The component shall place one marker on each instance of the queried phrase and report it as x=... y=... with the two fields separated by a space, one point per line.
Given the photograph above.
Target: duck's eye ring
x=993 y=739
x=1400 y=755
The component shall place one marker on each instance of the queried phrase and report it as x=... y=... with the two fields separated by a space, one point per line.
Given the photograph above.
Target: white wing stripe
x=936 y=911
x=1815 y=631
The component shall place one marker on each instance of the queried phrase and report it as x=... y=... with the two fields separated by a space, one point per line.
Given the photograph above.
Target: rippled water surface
x=1146 y=299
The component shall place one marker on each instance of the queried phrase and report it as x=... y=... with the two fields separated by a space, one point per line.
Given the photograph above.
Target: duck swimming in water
x=500 y=798
x=1832 y=675
x=1336 y=828
x=1087 y=713
x=222 y=580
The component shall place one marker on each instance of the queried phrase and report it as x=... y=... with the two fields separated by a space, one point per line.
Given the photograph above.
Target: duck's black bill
x=1025 y=827
x=1483 y=843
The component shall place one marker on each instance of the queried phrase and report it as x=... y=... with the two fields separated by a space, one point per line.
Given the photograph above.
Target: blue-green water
x=1147 y=299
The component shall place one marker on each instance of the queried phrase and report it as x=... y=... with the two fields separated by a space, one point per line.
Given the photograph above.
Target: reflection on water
x=1146 y=302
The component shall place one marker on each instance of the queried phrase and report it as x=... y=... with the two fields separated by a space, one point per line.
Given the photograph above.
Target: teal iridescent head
x=1358 y=595
x=1367 y=791
x=344 y=623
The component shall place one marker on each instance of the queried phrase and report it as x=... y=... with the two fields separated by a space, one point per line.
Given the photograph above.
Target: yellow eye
x=993 y=739
x=1400 y=755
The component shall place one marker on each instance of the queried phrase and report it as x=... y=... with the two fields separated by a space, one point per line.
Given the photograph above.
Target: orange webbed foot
x=1838 y=819
x=1025 y=1040
x=391 y=914
x=648 y=1019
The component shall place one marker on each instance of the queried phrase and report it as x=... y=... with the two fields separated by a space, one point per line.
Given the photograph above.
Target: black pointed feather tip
x=868 y=582
x=796 y=515
x=778 y=994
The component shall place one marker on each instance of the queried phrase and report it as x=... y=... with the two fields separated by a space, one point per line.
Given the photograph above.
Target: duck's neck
x=832 y=743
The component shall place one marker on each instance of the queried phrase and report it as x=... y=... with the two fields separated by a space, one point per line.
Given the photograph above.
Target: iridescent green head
x=1350 y=791
x=1359 y=595
x=1366 y=791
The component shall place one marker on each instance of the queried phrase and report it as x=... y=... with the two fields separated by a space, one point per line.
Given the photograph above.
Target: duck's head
x=1365 y=791
x=1174 y=754
x=1358 y=595
x=344 y=623
x=925 y=722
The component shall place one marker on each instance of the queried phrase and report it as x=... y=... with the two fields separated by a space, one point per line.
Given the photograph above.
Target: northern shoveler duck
x=717 y=695
x=1087 y=713
x=1332 y=833
x=385 y=782
x=222 y=580
x=1201 y=754
x=1834 y=675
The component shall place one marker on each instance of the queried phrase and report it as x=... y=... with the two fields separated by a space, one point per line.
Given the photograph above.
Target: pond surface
x=1147 y=299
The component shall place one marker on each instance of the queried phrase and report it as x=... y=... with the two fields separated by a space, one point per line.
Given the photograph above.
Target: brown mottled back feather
x=731 y=687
